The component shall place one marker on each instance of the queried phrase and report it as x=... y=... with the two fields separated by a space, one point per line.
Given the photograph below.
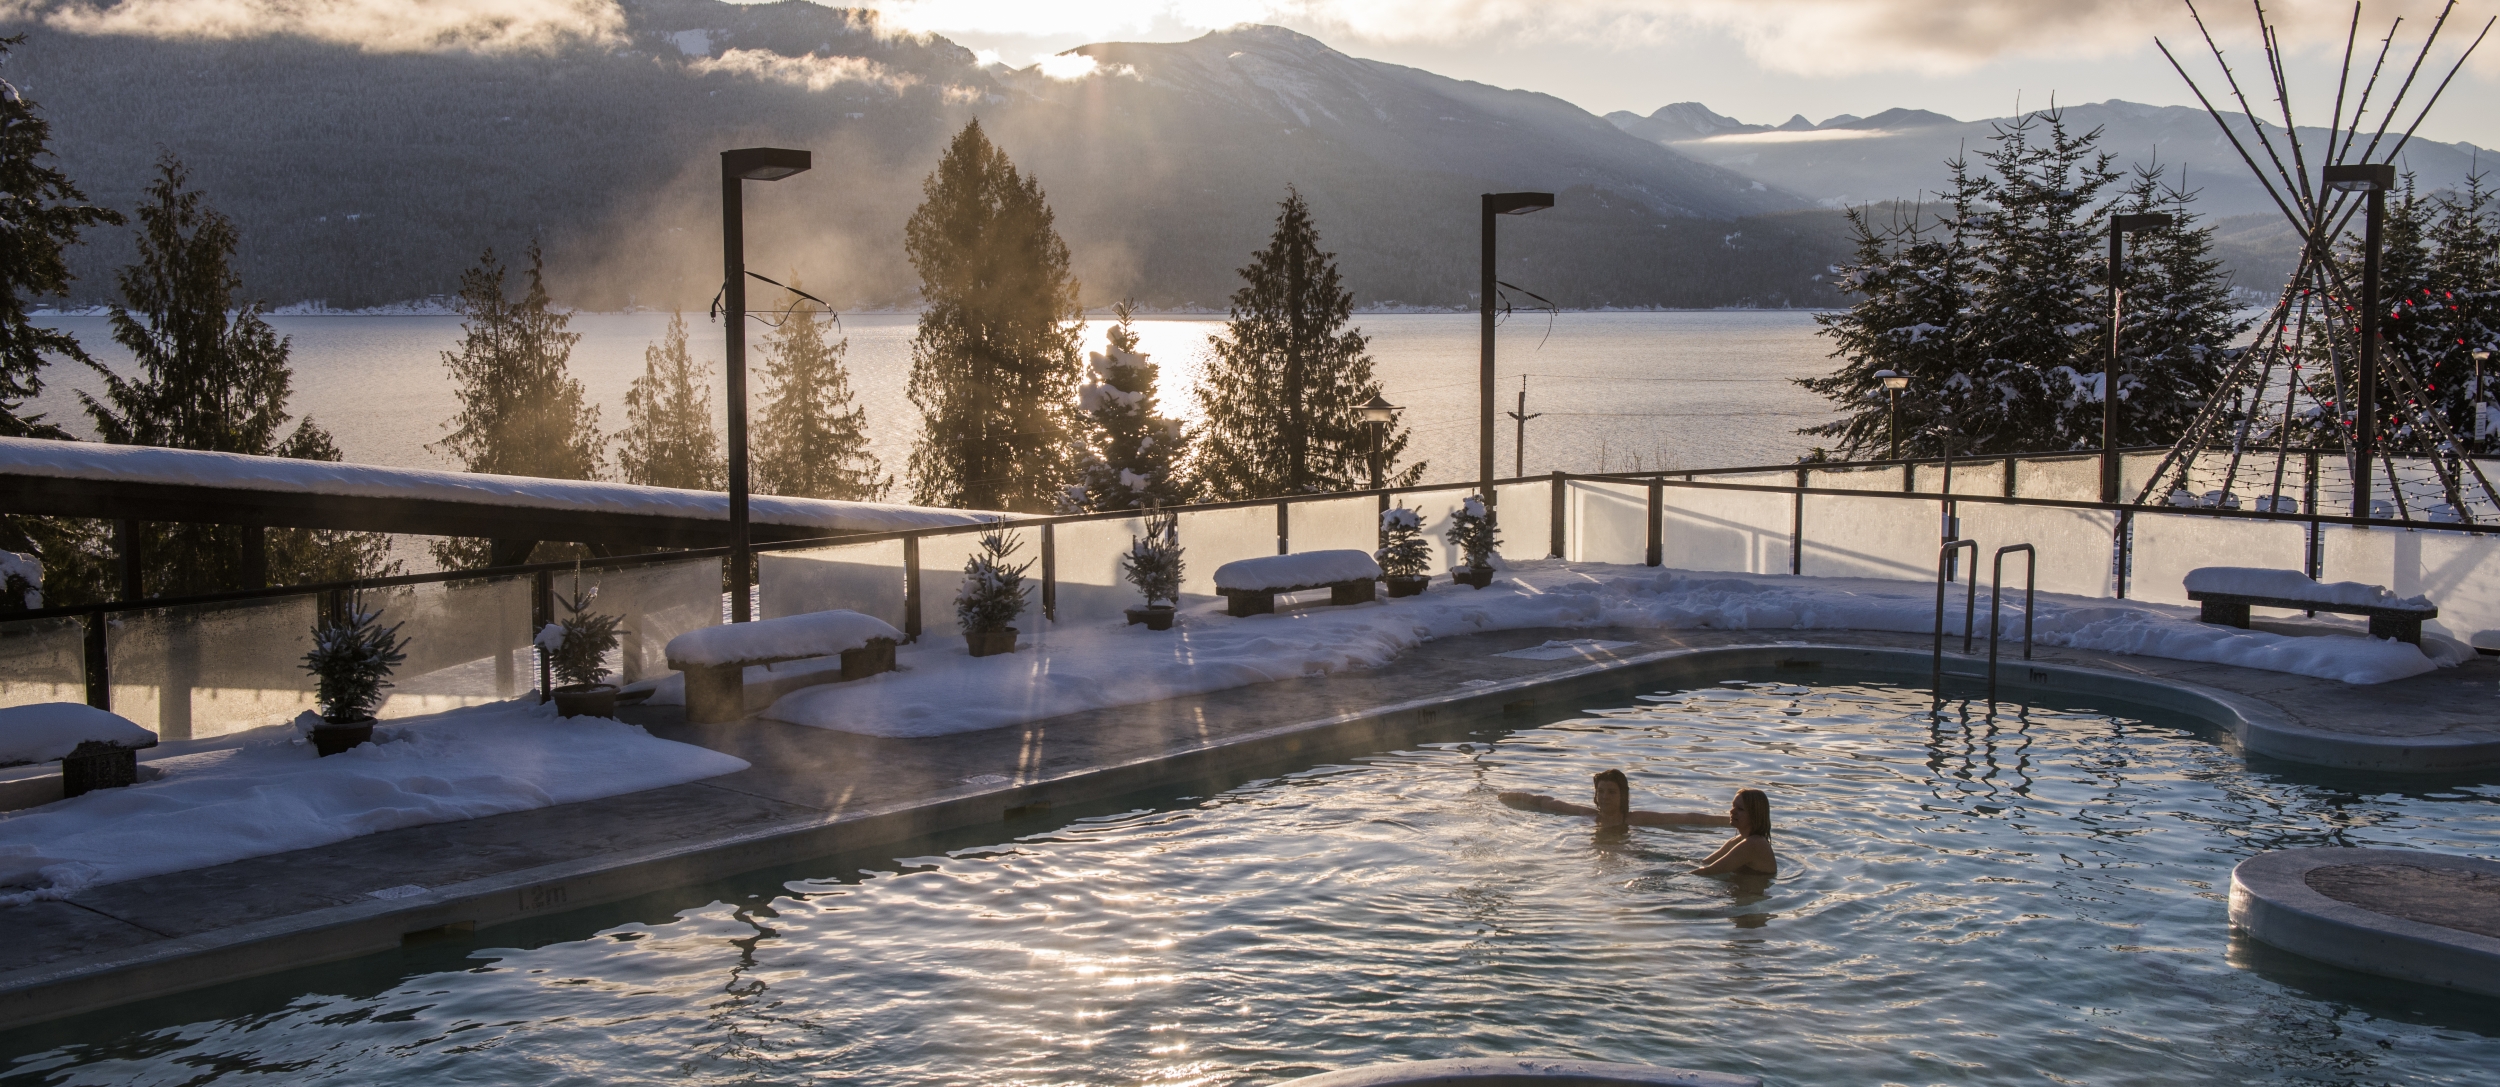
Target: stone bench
x=97 y=749
x=1250 y=586
x=714 y=660
x=2223 y=595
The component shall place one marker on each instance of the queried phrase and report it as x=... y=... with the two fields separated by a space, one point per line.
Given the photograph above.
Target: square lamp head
x=1517 y=203
x=1893 y=380
x=763 y=163
x=2361 y=177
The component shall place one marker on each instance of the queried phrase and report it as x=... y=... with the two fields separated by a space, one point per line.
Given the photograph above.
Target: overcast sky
x=1763 y=60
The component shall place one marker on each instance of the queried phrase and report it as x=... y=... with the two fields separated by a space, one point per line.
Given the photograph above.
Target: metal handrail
x=1996 y=598
x=1970 y=604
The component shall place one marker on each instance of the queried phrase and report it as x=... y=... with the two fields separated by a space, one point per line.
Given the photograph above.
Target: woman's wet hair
x=1757 y=808
x=1623 y=788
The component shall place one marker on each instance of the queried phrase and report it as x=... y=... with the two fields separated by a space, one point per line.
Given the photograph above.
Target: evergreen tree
x=669 y=440
x=41 y=215
x=1132 y=456
x=2039 y=322
x=521 y=412
x=995 y=362
x=213 y=376
x=812 y=441
x=1912 y=277
x=2440 y=277
x=1281 y=393
x=2179 y=320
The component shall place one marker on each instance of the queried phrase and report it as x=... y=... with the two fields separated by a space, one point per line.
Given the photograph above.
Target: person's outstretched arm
x=1677 y=819
x=1541 y=802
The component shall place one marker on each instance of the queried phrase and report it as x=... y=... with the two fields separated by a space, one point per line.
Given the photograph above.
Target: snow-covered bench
x=2223 y=594
x=1250 y=586
x=715 y=659
x=97 y=749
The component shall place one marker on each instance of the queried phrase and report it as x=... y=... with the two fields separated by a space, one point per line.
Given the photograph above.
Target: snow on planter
x=48 y=731
x=260 y=792
x=815 y=634
x=2294 y=585
x=1311 y=568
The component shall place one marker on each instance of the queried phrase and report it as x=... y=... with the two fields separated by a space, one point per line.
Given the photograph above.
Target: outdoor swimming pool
x=2034 y=897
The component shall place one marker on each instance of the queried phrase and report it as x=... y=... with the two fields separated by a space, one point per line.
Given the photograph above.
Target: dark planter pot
x=1155 y=616
x=990 y=643
x=1408 y=585
x=330 y=739
x=586 y=700
x=1478 y=578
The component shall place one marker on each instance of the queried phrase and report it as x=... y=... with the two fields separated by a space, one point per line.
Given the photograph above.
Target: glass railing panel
x=1211 y=538
x=43 y=660
x=1330 y=524
x=657 y=601
x=468 y=641
x=1846 y=536
x=1746 y=532
x=212 y=669
x=1092 y=588
x=867 y=578
x=1855 y=479
x=2458 y=571
x=2059 y=479
x=2168 y=545
x=2074 y=546
x=1609 y=522
x=1526 y=519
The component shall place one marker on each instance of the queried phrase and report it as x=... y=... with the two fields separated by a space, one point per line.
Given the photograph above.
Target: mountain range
x=361 y=178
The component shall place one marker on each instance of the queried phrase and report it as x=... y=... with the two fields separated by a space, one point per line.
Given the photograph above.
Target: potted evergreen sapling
x=577 y=648
x=1471 y=535
x=351 y=662
x=992 y=596
x=1405 y=556
x=1153 y=564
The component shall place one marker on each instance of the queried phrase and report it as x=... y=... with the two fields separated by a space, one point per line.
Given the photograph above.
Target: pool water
x=2032 y=897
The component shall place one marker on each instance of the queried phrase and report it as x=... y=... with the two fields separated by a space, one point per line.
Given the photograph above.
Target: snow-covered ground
x=255 y=793
x=1072 y=668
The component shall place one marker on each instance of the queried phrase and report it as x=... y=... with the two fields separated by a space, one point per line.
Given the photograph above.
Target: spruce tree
x=2440 y=278
x=669 y=440
x=995 y=362
x=41 y=215
x=213 y=376
x=1132 y=456
x=811 y=440
x=1912 y=277
x=1281 y=393
x=521 y=412
x=2179 y=320
x=2038 y=322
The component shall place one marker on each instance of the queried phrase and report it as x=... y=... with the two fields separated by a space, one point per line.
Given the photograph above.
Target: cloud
x=378 y=26
x=1802 y=36
x=812 y=73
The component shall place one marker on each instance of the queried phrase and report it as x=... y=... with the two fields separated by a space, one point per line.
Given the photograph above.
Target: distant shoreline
x=426 y=309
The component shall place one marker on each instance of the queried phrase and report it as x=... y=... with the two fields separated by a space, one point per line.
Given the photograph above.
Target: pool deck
x=812 y=792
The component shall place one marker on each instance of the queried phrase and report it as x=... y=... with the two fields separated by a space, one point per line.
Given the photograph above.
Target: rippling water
x=2038 y=897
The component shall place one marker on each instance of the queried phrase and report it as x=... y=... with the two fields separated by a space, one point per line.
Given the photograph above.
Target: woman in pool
x=1749 y=813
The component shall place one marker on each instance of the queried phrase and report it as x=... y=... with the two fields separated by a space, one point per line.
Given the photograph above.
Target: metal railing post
x=1284 y=527
x=1657 y=522
x=1797 y=526
x=1556 y=531
x=2122 y=551
x=99 y=669
x=543 y=612
x=1050 y=574
x=1996 y=600
x=911 y=588
x=1970 y=607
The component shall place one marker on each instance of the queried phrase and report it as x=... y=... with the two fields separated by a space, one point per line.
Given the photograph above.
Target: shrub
x=1153 y=562
x=1471 y=535
x=993 y=593
x=577 y=646
x=351 y=661
x=1403 y=550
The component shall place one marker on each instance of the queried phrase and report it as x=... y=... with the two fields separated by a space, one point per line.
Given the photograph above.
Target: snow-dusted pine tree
x=1912 y=277
x=669 y=440
x=994 y=367
x=1131 y=456
x=2179 y=320
x=1404 y=552
x=812 y=440
x=2440 y=277
x=2038 y=320
x=1288 y=374
x=993 y=592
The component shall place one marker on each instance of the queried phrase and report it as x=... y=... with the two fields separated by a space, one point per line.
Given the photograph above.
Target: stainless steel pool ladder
x=1970 y=605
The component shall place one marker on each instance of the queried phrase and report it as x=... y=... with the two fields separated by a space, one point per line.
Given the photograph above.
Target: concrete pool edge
x=75 y=985
x=2272 y=903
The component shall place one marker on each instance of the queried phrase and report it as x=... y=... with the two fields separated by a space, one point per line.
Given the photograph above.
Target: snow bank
x=816 y=634
x=1073 y=668
x=264 y=791
x=1304 y=568
x=2294 y=585
x=50 y=730
x=147 y=464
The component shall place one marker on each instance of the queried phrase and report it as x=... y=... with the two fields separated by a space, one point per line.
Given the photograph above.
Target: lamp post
x=2373 y=178
x=2119 y=227
x=1495 y=203
x=736 y=168
x=2474 y=403
x=1377 y=416
x=1894 y=382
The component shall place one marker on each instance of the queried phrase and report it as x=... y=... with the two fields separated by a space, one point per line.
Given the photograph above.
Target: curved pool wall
x=363 y=928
